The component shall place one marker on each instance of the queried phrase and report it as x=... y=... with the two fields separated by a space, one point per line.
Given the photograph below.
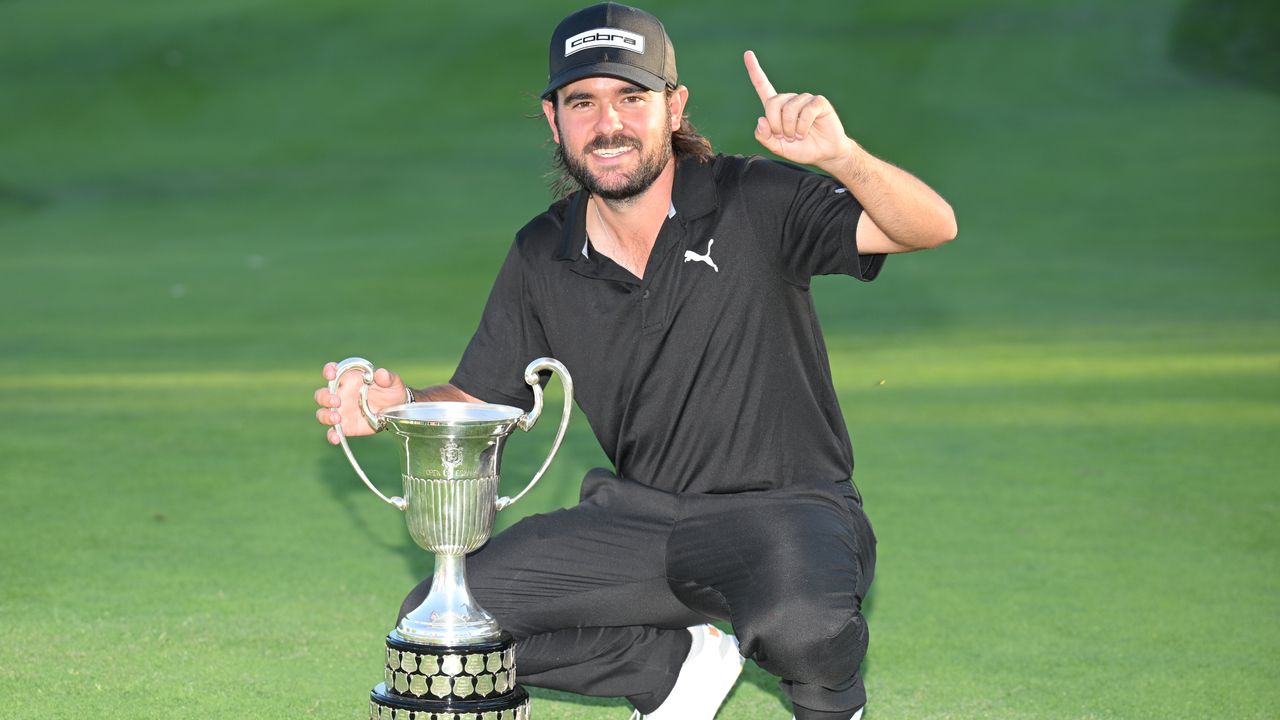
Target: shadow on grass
x=349 y=492
x=767 y=684
x=16 y=199
x=1234 y=40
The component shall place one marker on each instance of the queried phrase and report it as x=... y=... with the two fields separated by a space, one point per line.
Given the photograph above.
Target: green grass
x=1065 y=422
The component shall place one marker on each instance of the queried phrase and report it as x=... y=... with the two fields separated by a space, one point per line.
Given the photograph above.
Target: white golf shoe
x=705 y=679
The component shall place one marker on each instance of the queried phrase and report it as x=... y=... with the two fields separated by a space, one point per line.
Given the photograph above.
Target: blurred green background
x=1065 y=422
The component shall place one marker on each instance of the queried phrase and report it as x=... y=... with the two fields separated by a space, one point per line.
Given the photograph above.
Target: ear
x=549 y=111
x=675 y=106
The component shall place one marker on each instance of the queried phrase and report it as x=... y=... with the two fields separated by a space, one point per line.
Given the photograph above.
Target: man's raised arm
x=900 y=213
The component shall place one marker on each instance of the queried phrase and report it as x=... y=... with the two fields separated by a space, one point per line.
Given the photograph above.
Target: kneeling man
x=674 y=284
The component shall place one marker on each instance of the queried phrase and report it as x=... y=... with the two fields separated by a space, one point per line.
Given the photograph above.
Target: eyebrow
x=583 y=95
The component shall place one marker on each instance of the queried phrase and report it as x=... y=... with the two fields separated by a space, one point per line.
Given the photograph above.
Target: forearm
x=442 y=393
x=906 y=210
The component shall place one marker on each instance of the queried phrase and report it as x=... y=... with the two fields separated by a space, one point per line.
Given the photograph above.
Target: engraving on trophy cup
x=450 y=457
x=449 y=656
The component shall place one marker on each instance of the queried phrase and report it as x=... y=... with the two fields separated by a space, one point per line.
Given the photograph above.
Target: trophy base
x=424 y=681
x=388 y=706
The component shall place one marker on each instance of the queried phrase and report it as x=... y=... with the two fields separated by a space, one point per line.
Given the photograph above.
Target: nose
x=608 y=121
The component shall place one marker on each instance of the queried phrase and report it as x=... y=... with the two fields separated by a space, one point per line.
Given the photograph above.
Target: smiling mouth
x=611 y=152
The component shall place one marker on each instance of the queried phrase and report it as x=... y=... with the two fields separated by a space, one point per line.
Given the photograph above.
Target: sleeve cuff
x=489 y=394
x=863 y=267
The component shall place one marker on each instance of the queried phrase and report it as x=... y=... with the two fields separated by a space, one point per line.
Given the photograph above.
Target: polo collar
x=574 y=230
x=693 y=194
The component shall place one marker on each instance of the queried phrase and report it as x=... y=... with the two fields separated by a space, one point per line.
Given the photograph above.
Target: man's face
x=614 y=136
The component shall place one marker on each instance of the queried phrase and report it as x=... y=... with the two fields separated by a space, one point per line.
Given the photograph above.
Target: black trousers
x=598 y=595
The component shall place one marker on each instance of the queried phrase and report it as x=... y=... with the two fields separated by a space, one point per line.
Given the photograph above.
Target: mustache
x=611 y=142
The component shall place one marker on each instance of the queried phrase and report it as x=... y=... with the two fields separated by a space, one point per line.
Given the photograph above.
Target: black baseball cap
x=612 y=40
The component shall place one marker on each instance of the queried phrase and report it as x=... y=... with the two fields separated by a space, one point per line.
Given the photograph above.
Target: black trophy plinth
x=449 y=682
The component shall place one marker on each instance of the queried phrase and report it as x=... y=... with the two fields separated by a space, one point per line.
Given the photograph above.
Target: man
x=674 y=286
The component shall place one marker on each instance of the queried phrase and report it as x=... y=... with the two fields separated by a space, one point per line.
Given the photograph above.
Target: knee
x=808 y=642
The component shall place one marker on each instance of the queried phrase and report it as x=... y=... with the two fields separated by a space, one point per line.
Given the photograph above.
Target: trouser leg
x=790 y=569
x=584 y=591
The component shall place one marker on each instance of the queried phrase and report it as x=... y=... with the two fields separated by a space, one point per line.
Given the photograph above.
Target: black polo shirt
x=704 y=376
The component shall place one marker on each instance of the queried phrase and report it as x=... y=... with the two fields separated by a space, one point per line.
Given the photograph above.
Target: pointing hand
x=799 y=127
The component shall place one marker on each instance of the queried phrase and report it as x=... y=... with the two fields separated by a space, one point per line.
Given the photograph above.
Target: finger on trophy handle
x=375 y=422
x=531 y=376
x=366 y=371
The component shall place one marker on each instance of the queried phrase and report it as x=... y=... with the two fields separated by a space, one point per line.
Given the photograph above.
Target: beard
x=632 y=183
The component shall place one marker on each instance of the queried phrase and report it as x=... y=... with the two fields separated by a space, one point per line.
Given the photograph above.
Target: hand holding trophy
x=448 y=658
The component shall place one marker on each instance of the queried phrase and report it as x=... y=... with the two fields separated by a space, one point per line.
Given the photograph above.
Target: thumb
x=762 y=129
x=383 y=377
x=765 y=136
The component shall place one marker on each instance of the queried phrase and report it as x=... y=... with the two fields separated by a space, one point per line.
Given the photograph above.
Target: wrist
x=847 y=165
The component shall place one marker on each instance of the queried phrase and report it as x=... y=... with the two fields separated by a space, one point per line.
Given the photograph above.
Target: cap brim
x=641 y=77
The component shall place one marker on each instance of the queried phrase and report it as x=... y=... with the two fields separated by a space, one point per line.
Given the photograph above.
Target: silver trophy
x=449 y=655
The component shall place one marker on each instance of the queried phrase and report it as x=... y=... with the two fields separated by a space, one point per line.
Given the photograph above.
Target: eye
x=580 y=104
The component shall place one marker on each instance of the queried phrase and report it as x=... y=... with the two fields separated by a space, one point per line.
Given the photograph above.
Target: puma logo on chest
x=705 y=258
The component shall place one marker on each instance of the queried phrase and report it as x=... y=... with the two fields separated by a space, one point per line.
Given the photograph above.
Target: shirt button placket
x=644 y=309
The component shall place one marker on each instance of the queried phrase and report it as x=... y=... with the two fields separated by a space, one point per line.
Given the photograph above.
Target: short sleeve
x=813 y=218
x=509 y=336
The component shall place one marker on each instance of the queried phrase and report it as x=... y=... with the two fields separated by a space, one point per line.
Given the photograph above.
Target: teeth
x=613 y=152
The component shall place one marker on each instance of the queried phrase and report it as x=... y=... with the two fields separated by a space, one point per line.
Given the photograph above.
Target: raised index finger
x=761 y=81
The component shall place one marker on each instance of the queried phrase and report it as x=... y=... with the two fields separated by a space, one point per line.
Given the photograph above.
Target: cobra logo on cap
x=604 y=37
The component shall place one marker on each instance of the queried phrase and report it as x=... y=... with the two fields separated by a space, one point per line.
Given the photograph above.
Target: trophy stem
x=449 y=615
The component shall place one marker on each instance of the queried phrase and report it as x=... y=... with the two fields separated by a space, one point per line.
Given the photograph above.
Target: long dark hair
x=686 y=142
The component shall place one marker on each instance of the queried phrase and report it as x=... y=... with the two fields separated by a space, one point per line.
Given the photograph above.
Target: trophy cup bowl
x=449 y=658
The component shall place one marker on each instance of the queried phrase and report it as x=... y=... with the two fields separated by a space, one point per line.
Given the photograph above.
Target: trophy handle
x=527 y=420
x=366 y=369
